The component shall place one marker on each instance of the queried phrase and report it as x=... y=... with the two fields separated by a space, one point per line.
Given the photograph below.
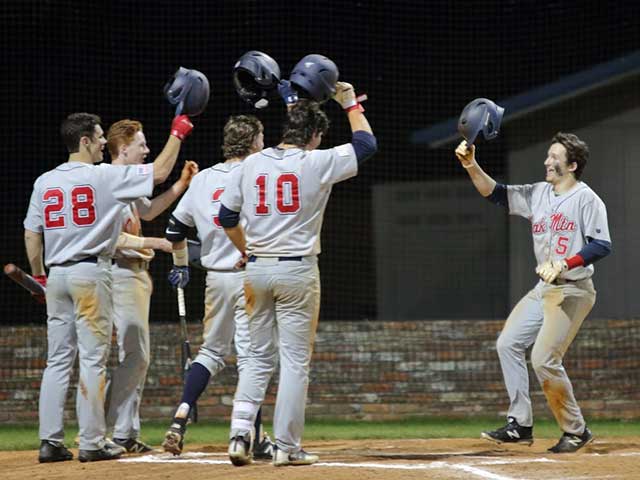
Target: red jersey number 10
x=287 y=194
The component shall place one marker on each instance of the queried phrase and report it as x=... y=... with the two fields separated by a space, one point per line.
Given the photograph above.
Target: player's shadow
x=434 y=456
x=603 y=447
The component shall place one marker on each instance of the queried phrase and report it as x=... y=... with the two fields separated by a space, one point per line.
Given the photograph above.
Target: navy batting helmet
x=189 y=91
x=255 y=74
x=315 y=76
x=480 y=115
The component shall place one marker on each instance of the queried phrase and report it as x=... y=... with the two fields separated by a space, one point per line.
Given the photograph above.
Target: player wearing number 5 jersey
x=570 y=232
x=282 y=193
x=75 y=212
x=224 y=313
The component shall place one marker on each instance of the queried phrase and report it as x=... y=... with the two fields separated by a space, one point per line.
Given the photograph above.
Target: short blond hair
x=121 y=133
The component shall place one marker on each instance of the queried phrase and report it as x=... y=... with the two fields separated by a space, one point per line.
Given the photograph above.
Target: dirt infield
x=606 y=458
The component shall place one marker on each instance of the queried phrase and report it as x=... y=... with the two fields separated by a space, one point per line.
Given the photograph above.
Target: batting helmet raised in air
x=315 y=77
x=255 y=74
x=188 y=90
x=480 y=115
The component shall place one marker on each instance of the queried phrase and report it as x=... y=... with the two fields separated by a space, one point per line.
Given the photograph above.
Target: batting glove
x=550 y=271
x=42 y=280
x=179 y=276
x=346 y=96
x=181 y=127
x=286 y=91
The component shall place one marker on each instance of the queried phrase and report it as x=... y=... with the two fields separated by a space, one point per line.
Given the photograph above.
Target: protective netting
x=408 y=239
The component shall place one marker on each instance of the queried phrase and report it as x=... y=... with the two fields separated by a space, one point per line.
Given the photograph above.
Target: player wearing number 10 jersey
x=282 y=193
x=75 y=212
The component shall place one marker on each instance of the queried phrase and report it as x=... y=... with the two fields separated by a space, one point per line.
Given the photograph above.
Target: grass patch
x=25 y=437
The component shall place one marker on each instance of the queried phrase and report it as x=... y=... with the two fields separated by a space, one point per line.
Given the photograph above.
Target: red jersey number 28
x=83 y=211
x=287 y=194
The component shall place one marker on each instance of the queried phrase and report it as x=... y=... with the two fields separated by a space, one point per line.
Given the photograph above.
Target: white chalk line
x=197 y=459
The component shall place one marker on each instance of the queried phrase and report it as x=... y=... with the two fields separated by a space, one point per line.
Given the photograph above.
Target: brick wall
x=367 y=370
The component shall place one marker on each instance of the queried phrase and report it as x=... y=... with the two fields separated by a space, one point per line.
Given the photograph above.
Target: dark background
x=419 y=62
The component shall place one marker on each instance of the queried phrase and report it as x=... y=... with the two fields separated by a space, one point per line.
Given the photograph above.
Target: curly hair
x=239 y=133
x=304 y=120
x=577 y=151
x=76 y=126
x=121 y=133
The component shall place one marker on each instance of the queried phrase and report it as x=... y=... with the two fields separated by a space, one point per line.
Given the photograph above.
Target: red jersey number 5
x=563 y=245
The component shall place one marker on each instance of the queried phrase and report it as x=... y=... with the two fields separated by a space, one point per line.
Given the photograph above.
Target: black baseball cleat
x=108 y=452
x=512 y=432
x=132 y=445
x=174 y=438
x=51 y=451
x=570 y=443
x=263 y=449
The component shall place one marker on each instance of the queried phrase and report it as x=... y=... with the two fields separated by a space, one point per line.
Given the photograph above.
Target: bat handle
x=182 y=311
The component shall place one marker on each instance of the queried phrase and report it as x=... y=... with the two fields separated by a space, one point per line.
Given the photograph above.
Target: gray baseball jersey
x=560 y=224
x=283 y=195
x=550 y=316
x=78 y=207
x=199 y=208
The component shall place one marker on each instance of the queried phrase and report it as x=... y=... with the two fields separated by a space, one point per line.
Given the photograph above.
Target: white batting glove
x=550 y=271
x=466 y=154
x=345 y=95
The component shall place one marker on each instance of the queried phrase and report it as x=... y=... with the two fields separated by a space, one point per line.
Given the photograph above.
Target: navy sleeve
x=364 y=144
x=228 y=218
x=499 y=195
x=594 y=251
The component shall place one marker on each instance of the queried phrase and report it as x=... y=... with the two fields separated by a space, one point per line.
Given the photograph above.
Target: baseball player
x=570 y=233
x=282 y=193
x=224 y=298
x=132 y=286
x=75 y=210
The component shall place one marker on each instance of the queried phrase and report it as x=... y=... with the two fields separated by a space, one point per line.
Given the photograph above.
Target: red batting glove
x=181 y=127
x=42 y=280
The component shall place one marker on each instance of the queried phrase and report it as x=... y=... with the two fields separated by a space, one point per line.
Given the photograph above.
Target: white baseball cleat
x=282 y=458
x=240 y=450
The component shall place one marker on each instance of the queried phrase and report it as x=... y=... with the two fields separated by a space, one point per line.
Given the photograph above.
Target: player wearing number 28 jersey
x=75 y=212
x=282 y=193
x=570 y=232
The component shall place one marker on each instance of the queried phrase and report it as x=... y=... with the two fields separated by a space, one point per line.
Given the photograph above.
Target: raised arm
x=363 y=141
x=483 y=182
x=163 y=201
x=180 y=128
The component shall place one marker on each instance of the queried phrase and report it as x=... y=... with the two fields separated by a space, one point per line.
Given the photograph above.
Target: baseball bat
x=185 y=356
x=23 y=279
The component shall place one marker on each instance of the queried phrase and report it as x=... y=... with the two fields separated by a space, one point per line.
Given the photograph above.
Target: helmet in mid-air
x=188 y=90
x=480 y=115
x=255 y=74
x=315 y=77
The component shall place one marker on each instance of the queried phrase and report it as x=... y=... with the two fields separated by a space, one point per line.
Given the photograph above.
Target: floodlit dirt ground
x=605 y=458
